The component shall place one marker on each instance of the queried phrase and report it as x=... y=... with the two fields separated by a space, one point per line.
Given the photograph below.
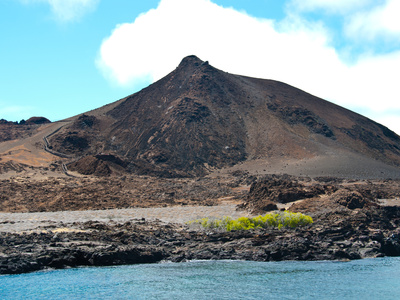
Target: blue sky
x=59 y=58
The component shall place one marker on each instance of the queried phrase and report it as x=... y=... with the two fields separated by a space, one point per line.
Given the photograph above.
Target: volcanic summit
x=199 y=137
x=199 y=119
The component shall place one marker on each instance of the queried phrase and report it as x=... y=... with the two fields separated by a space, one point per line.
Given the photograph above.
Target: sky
x=59 y=58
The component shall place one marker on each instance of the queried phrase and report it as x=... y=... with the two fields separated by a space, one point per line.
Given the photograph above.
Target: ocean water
x=361 y=279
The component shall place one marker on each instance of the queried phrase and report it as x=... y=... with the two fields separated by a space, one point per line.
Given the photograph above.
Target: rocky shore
x=351 y=221
x=360 y=235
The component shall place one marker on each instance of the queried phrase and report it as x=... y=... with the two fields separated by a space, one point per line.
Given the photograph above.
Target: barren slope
x=199 y=119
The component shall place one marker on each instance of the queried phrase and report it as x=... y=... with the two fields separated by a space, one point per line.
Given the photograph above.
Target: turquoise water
x=361 y=279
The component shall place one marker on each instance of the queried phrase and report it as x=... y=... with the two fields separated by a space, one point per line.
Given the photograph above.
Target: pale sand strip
x=18 y=222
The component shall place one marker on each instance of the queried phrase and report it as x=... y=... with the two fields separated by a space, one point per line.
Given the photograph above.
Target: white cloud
x=373 y=82
x=381 y=21
x=293 y=51
x=67 y=10
x=364 y=20
x=155 y=43
x=371 y=87
x=389 y=119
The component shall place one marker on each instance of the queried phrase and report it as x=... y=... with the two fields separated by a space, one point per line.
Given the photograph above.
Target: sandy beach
x=38 y=221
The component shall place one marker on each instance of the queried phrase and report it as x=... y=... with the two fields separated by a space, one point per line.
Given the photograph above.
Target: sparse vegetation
x=270 y=220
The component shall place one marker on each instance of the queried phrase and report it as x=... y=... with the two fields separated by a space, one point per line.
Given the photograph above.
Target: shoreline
x=37 y=221
x=97 y=243
x=351 y=221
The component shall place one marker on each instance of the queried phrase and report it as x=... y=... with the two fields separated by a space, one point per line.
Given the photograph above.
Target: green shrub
x=270 y=220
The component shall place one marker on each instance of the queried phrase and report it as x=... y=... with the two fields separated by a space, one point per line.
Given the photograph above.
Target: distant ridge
x=198 y=119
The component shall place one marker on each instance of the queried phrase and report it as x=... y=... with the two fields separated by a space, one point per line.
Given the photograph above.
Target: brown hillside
x=199 y=118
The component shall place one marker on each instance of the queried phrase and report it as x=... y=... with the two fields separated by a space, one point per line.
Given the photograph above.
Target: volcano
x=199 y=137
x=199 y=119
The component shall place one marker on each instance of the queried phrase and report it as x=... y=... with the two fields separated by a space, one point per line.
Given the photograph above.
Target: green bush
x=270 y=220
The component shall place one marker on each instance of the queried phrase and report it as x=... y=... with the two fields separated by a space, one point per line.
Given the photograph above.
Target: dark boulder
x=350 y=199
